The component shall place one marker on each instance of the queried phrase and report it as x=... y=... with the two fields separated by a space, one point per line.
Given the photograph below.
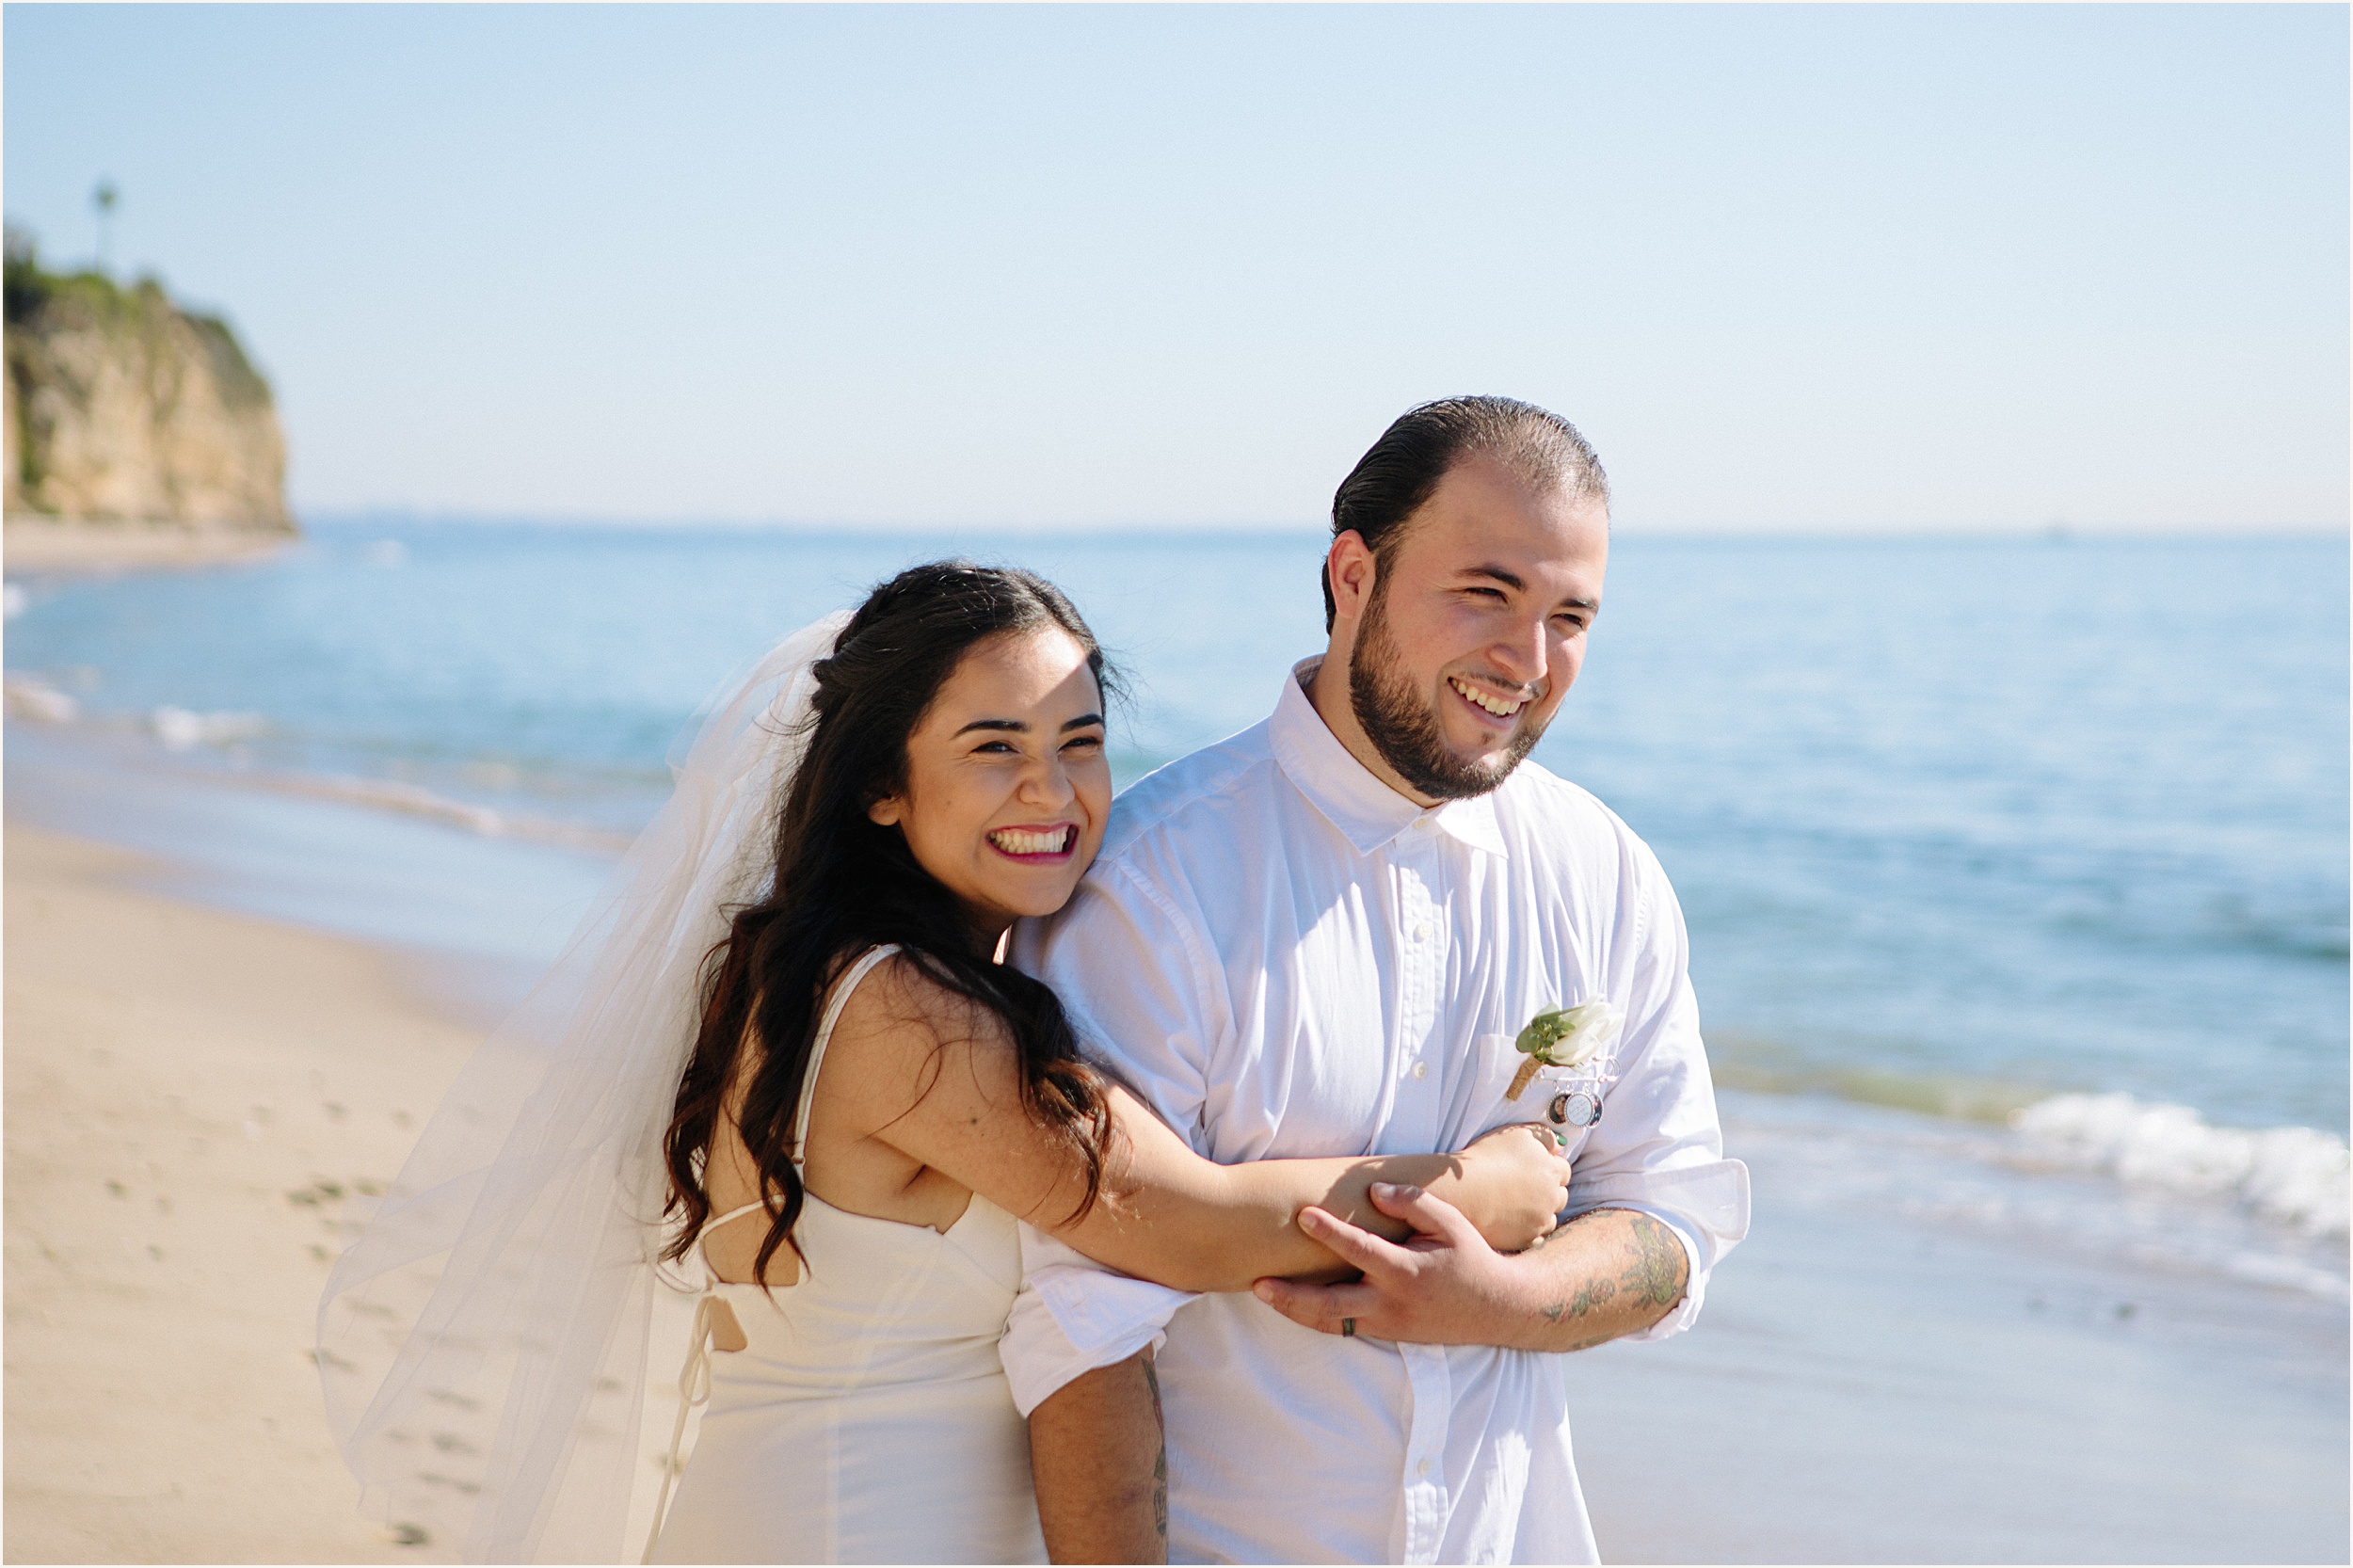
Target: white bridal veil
x=484 y=1343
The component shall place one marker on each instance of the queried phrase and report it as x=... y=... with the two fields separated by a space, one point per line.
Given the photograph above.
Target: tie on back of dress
x=867 y=1417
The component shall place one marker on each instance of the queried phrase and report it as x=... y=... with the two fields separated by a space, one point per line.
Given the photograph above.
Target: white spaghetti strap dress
x=868 y=1418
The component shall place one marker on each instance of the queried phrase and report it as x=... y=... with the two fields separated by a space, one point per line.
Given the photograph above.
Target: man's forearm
x=1099 y=1461
x=1609 y=1272
x=1606 y=1273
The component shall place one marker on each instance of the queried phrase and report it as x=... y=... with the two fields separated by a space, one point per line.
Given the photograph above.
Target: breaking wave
x=386 y=795
x=38 y=700
x=179 y=728
x=2298 y=1176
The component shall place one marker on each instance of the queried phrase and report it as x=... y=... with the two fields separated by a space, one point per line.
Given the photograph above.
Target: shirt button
x=1421 y=932
x=1421 y=1069
x=1423 y=1468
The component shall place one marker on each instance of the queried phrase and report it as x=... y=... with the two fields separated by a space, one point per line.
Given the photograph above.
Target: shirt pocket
x=1498 y=1059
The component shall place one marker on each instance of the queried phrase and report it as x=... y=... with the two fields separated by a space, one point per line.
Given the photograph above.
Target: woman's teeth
x=1025 y=840
x=1502 y=707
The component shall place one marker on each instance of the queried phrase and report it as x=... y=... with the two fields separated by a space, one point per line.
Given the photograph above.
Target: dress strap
x=834 y=1004
x=754 y=1206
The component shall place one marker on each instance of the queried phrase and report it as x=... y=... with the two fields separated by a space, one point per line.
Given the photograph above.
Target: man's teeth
x=1023 y=841
x=1502 y=707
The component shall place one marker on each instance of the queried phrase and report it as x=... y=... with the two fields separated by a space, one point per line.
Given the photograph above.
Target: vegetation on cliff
x=121 y=405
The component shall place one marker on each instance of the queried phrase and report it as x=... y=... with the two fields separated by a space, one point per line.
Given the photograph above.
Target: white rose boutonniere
x=1562 y=1037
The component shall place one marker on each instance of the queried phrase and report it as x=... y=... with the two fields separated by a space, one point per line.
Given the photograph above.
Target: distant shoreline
x=395 y=520
x=76 y=545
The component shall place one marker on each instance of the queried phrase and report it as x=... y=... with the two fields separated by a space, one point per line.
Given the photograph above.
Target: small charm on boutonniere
x=1562 y=1037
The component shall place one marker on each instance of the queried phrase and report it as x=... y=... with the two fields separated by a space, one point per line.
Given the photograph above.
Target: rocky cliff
x=122 y=406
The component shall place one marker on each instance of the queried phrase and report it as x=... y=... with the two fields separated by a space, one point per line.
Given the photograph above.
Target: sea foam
x=29 y=698
x=180 y=728
x=411 y=800
x=2297 y=1174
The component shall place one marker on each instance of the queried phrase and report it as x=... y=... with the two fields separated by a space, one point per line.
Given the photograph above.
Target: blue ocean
x=2021 y=863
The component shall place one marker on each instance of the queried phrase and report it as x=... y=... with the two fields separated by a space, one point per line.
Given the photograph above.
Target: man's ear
x=1352 y=570
x=887 y=812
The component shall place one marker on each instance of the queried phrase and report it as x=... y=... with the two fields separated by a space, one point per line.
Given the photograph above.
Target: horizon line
x=341 y=517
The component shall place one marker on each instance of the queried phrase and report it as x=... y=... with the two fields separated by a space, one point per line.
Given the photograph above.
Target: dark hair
x=844 y=883
x=1396 y=472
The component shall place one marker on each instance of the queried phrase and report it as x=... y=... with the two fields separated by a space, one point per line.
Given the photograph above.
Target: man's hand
x=1445 y=1286
x=1606 y=1273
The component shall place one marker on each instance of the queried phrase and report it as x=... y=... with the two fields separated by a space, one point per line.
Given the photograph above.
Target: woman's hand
x=1513 y=1185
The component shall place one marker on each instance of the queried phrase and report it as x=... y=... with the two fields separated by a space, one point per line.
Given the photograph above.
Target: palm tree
x=104 y=198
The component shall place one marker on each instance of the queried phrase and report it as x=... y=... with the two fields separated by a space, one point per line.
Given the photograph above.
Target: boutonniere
x=1562 y=1037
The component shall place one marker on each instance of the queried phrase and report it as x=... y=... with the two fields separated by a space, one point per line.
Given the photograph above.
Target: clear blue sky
x=1844 y=268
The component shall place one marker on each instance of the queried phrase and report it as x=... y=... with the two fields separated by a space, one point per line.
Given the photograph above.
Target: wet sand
x=1865 y=1389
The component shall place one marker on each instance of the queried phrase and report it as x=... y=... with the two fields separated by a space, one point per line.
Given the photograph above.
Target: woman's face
x=1008 y=787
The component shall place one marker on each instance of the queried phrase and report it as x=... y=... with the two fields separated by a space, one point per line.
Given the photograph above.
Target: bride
x=783 y=1055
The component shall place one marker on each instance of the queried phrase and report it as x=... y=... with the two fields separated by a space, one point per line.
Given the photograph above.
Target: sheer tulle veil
x=484 y=1343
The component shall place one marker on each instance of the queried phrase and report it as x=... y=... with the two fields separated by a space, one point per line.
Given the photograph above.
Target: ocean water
x=2027 y=857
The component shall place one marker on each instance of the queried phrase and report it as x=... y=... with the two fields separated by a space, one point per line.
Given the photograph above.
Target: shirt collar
x=1368 y=812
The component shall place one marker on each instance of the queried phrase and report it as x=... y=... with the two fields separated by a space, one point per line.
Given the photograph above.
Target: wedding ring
x=1348 y=1328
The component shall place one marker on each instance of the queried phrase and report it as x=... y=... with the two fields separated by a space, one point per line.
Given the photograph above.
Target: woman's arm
x=940 y=1082
x=1166 y=1212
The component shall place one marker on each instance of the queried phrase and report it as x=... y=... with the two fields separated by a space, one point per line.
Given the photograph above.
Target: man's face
x=1476 y=628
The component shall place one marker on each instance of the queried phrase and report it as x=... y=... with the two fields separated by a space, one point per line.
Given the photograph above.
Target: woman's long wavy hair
x=843 y=883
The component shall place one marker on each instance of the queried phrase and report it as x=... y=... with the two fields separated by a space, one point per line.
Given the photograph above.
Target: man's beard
x=1404 y=729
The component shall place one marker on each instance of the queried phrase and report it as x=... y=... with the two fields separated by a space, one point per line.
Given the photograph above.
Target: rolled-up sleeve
x=1073 y=1315
x=1122 y=965
x=1657 y=1148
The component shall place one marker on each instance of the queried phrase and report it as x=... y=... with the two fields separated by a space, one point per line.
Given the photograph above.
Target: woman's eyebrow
x=1021 y=726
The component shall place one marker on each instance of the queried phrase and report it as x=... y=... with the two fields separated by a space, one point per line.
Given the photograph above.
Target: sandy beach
x=1867 y=486
x=190 y=1094
x=83 y=545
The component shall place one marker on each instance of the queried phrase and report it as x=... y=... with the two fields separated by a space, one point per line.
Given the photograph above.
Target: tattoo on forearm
x=1159 y=1462
x=1657 y=1277
x=1593 y=1293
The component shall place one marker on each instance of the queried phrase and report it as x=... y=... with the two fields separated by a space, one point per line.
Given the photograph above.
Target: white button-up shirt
x=1288 y=958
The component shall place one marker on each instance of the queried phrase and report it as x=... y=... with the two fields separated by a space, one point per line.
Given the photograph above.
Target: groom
x=1321 y=937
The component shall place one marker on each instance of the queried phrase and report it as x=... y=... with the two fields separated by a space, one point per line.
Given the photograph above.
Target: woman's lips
x=1037 y=845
